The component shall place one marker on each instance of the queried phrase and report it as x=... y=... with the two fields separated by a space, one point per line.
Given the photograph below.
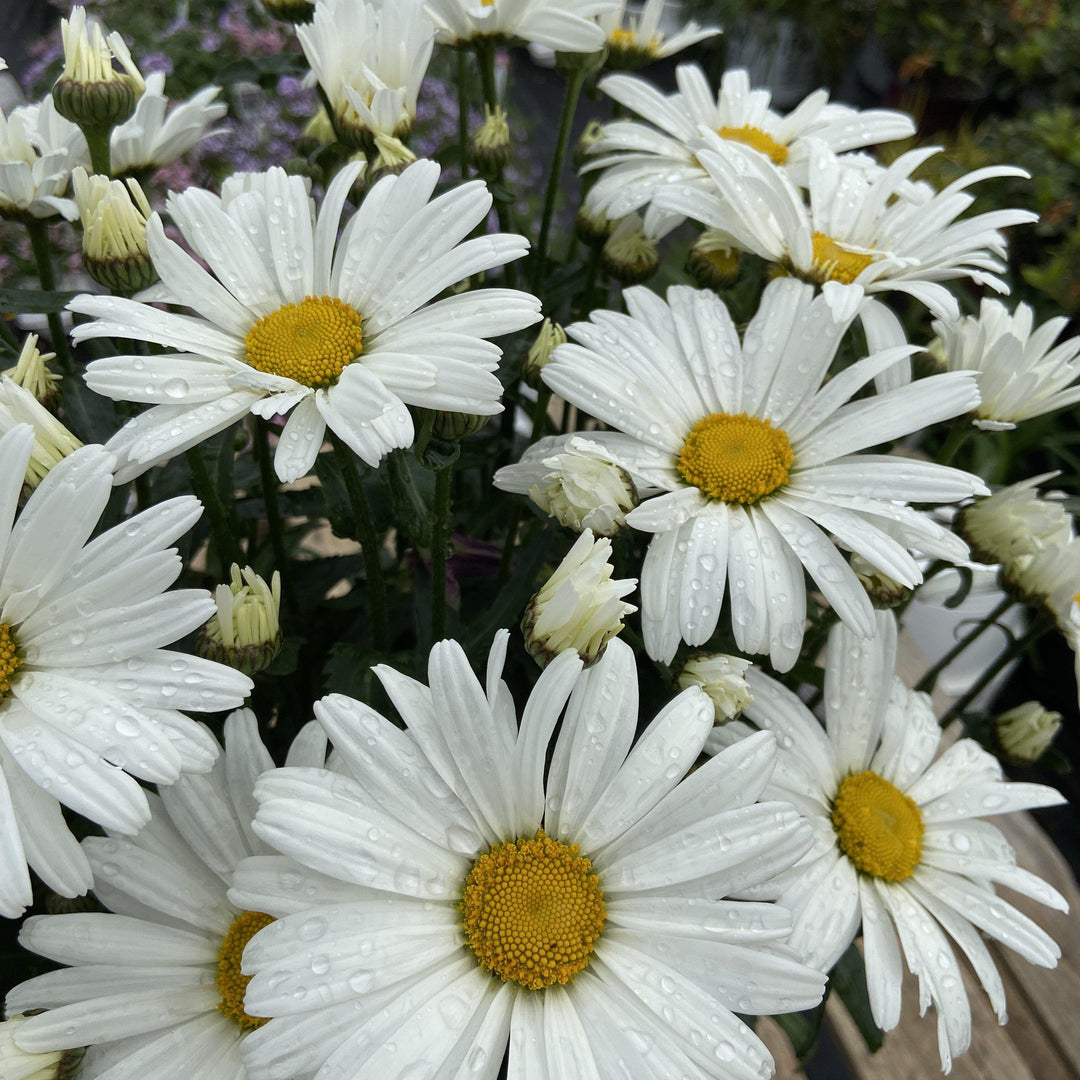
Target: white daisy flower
x=336 y=332
x=751 y=461
x=633 y=40
x=562 y=25
x=87 y=694
x=154 y=988
x=859 y=235
x=38 y=150
x=438 y=902
x=899 y=850
x=370 y=60
x=638 y=159
x=1020 y=374
x=17 y=1065
x=150 y=139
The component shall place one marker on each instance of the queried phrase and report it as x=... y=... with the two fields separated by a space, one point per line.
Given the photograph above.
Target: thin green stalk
x=370 y=544
x=574 y=82
x=97 y=139
x=543 y=400
x=1018 y=645
x=8 y=336
x=463 y=110
x=508 y=547
x=269 y=483
x=227 y=544
x=440 y=534
x=39 y=243
x=928 y=681
x=958 y=434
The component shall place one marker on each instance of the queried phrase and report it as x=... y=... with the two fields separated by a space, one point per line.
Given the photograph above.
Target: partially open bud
x=114 y=215
x=550 y=337
x=490 y=144
x=52 y=441
x=32 y=373
x=245 y=632
x=722 y=677
x=630 y=254
x=91 y=92
x=592 y=225
x=883 y=591
x=593 y=133
x=584 y=489
x=713 y=260
x=293 y=11
x=580 y=607
x=16 y=1064
x=391 y=156
x=1025 y=733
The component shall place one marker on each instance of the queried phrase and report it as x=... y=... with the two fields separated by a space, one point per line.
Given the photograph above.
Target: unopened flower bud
x=550 y=337
x=16 y=1064
x=713 y=260
x=91 y=92
x=592 y=225
x=593 y=133
x=293 y=11
x=114 y=215
x=883 y=591
x=568 y=62
x=490 y=145
x=584 y=489
x=52 y=441
x=629 y=254
x=32 y=373
x=722 y=677
x=580 y=607
x=457 y=425
x=1025 y=733
x=245 y=632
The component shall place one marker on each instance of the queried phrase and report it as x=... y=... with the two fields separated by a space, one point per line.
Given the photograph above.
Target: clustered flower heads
x=464 y=867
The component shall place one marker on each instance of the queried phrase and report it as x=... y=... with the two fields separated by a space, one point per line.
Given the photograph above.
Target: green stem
x=97 y=139
x=1017 y=646
x=958 y=433
x=463 y=110
x=543 y=400
x=39 y=243
x=227 y=544
x=508 y=547
x=574 y=82
x=928 y=681
x=269 y=483
x=370 y=545
x=440 y=533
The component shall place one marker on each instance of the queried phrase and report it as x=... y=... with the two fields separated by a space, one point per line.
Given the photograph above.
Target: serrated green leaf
x=34 y=301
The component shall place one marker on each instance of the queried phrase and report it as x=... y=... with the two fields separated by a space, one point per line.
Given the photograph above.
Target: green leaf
x=34 y=301
x=802 y=1028
x=848 y=979
x=287 y=658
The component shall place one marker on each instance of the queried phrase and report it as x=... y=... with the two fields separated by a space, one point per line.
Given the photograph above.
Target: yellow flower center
x=231 y=984
x=879 y=828
x=835 y=263
x=10 y=661
x=311 y=342
x=759 y=140
x=532 y=909
x=736 y=459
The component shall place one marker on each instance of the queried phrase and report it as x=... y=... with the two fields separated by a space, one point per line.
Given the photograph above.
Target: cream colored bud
x=114 y=215
x=629 y=254
x=551 y=336
x=32 y=373
x=883 y=591
x=16 y=1064
x=592 y=225
x=391 y=156
x=490 y=145
x=1025 y=733
x=52 y=441
x=91 y=92
x=722 y=677
x=245 y=632
x=585 y=489
x=593 y=133
x=580 y=607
